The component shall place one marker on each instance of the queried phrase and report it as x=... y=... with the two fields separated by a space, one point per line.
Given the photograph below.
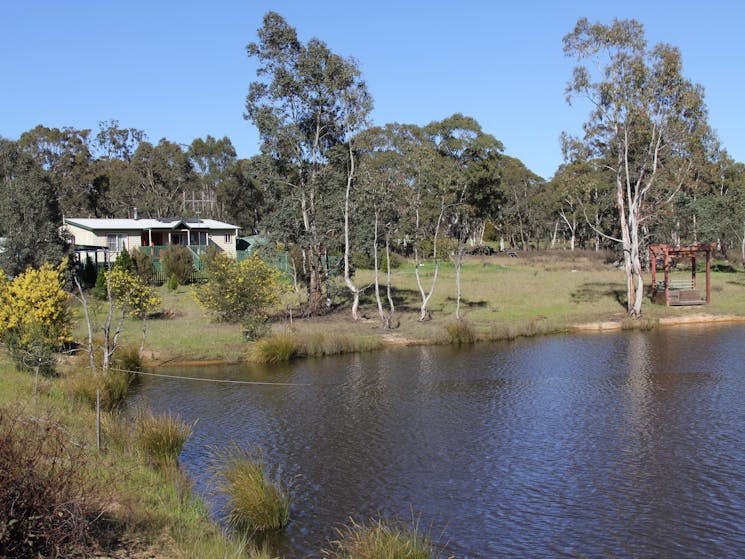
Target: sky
x=179 y=70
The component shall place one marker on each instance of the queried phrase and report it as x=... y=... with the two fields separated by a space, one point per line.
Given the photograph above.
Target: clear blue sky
x=179 y=69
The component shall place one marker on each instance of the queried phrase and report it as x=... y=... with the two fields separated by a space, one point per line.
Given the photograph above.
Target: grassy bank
x=135 y=503
x=502 y=298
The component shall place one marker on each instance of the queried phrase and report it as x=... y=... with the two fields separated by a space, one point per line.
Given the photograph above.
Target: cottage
x=109 y=236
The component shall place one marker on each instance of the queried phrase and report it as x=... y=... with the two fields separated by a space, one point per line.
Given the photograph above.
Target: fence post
x=98 y=420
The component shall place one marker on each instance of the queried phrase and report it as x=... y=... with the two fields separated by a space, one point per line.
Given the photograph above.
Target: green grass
x=380 y=540
x=183 y=331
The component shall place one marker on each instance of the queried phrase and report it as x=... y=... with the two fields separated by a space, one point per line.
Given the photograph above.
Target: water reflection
x=626 y=445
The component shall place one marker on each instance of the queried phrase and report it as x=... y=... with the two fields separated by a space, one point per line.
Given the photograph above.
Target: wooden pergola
x=680 y=292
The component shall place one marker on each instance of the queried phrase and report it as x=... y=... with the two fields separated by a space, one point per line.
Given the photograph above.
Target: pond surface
x=606 y=445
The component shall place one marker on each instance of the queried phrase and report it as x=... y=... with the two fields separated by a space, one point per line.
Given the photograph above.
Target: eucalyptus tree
x=29 y=213
x=521 y=213
x=721 y=211
x=645 y=116
x=429 y=174
x=113 y=148
x=305 y=101
x=242 y=197
x=112 y=142
x=471 y=167
x=214 y=163
x=581 y=193
x=354 y=109
x=156 y=181
x=386 y=187
x=66 y=156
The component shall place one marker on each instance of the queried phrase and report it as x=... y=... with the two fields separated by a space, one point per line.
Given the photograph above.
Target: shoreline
x=392 y=340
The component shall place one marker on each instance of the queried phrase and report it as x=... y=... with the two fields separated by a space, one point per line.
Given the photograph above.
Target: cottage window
x=116 y=242
x=228 y=237
x=198 y=238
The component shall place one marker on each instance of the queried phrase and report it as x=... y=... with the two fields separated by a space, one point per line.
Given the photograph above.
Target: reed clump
x=460 y=332
x=161 y=437
x=380 y=539
x=279 y=348
x=285 y=347
x=113 y=386
x=255 y=503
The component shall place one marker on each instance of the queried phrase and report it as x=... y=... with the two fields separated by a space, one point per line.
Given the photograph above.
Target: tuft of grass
x=380 y=540
x=523 y=330
x=255 y=503
x=460 y=332
x=161 y=437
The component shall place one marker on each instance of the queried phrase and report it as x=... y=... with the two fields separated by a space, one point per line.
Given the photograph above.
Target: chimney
x=134 y=213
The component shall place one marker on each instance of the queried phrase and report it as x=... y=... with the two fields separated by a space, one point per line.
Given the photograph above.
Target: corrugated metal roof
x=128 y=224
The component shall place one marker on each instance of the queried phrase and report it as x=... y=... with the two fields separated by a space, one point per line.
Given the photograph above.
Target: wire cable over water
x=223 y=381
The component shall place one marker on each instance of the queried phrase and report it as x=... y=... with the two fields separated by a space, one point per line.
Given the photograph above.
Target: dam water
x=629 y=444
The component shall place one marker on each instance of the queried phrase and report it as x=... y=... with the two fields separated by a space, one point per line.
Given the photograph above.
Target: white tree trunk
x=347 y=278
x=426 y=296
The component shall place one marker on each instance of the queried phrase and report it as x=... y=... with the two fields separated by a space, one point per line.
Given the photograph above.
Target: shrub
x=34 y=302
x=179 y=261
x=460 y=332
x=380 y=540
x=161 y=437
x=144 y=266
x=45 y=497
x=124 y=261
x=255 y=504
x=365 y=260
x=239 y=292
x=99 y=289
x=172 y=284
x=128 y=359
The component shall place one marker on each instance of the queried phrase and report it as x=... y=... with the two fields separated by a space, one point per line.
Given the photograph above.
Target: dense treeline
x=647 y=169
